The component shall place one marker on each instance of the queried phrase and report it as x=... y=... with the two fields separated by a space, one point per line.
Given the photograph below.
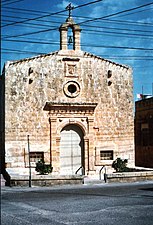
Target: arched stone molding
x=86 y=142
x=72 y=121
x=77 y=114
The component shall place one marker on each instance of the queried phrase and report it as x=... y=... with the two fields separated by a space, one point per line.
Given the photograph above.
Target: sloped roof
x=86 y=54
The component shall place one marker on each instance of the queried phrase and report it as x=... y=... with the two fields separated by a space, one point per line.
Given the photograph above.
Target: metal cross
x=70 y=8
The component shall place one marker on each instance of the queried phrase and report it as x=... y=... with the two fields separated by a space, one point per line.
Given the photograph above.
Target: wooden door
x=71 y=150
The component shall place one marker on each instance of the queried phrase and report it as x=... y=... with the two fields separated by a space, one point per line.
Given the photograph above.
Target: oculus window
x=71 y=89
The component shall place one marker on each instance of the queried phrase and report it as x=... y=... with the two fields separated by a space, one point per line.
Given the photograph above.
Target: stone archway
x=71 y=149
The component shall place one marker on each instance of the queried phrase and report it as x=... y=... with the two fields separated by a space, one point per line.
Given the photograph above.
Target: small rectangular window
x=106 y=155
x=35 y=157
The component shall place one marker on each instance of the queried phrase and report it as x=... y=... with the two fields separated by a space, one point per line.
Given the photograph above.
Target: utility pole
x=29 y=161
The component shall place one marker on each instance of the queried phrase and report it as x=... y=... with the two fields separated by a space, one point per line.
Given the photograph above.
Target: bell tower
x=69 y=23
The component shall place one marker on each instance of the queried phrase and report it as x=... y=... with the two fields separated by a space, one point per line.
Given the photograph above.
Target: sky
x=120 y=31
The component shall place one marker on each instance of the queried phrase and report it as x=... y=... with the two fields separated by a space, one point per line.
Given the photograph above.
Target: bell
x=70 y=41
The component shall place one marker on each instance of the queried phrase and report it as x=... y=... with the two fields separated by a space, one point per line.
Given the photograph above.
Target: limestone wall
x=30 y=83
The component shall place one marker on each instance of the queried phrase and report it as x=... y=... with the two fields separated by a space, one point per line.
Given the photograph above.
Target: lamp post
x=29 y=161
x=50 y=142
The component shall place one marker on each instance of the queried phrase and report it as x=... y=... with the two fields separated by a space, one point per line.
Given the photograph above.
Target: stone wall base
x=45 y=180
x=130 y=176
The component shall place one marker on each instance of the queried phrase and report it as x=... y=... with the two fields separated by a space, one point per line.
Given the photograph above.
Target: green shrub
x=43 y=168
x=120 y=165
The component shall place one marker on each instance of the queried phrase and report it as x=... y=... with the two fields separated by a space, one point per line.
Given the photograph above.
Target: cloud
x=65 y=3
x=109 y=7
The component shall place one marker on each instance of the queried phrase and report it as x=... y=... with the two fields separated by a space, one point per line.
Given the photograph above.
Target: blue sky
x=126 y=38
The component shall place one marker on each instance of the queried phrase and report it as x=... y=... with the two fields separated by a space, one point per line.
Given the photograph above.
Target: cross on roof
x=70 y=8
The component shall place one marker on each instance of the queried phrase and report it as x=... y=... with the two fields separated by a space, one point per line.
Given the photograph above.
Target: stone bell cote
x=64 y=34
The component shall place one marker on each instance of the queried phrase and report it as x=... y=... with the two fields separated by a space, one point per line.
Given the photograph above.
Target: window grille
x=106 y=155
x=36 y=156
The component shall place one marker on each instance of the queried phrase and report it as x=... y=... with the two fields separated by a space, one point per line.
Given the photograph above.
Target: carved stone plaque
x=70 y=69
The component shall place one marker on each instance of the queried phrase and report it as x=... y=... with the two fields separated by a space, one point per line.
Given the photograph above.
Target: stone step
x=92 y=180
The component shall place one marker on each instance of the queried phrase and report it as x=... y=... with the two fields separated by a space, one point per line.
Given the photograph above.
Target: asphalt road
x=106 y=204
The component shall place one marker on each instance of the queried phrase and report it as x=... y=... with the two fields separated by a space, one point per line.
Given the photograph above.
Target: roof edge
x=31 y=58
x=88 y=54
x=107 y=60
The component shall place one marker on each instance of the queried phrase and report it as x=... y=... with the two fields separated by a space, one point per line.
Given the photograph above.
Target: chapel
x=75 y=107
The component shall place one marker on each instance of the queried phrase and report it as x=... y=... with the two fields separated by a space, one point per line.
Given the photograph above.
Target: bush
x=120 y=165
x=43 y=168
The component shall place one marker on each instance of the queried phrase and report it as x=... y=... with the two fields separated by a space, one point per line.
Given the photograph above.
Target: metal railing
x=105 y=175
x=80 y=168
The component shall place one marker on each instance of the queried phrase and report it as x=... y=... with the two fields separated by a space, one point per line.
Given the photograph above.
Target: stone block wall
x=30 y=83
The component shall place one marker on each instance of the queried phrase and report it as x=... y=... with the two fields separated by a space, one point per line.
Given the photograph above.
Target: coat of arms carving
x=71 y=69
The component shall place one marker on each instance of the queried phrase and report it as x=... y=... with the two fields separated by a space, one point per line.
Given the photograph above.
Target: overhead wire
x=25 y=10
x=89 y=45
x=21 y=51
x=95 y=31
x=110 y=58
x=35 y=32
x=94 y=26
x=5 y=1
x=90 y=30
x=36 y=41
x=55 y=13
x=86 y=32
x=135 y=12
x=124 y=47
x=121 y=34
x=83 y=17
x=79 y=16
x=32 y=25
x=127 y=57
x=31 y=19
x=57 y=28
x=106 y=55
x=36 y=24
x=124 y=57
x=9 y=3
x=90 y=20
x=127 y=22
x=114 y=14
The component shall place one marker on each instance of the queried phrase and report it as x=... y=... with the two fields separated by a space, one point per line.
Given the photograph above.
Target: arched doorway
x=71 y=149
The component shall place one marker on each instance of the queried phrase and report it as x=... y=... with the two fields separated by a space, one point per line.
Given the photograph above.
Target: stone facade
x=91 y=96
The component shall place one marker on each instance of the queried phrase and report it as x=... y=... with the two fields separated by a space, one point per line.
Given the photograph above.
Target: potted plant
x=120 y=165
x=43 y=168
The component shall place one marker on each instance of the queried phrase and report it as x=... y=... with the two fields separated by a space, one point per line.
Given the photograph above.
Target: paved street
x=105 y=204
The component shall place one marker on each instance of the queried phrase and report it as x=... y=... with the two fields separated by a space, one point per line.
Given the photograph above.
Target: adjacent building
x=144 y=133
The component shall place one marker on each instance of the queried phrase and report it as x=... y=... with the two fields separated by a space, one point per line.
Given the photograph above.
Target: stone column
x=86 y=154
x=91 y=144
x=76 y=37
x=56 y=156
x=52 y=121
x=63 y=38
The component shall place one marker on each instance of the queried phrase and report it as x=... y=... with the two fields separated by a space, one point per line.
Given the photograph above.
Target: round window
x=71 y=89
